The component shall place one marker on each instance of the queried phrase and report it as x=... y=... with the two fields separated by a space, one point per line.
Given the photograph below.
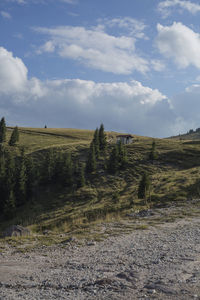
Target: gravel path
x=158 y=263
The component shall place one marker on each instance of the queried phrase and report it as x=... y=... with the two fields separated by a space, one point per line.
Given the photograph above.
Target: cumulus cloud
x=180 y=43
x=121 y=106
x=165 y=6
x=13 y=73
x=5 y=14
x=95 y=48
x=130 y=25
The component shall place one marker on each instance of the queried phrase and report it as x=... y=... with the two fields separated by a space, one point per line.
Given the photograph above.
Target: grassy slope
x=174 y=177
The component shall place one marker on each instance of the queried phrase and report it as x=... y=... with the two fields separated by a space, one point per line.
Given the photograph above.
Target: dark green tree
x=14 y=137
x=31 y=180
x=91 y=160
x=122 y=155
x=81 y=177
x=68 y=171
x=96 y=142
x=48 y=167
x=21 y=181
x=102 y=139
x=2 y=130
x=113 y=162
x=153 y=154
x=10 y=176
x=9 y=207
x=144 y=187
x=2 y=179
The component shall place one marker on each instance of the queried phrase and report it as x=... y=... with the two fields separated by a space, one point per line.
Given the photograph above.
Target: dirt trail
x=159 y=263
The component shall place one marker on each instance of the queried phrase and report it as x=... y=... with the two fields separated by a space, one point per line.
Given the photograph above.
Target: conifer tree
x=113 y=163
x=30 y=176
x=21 y=181
x=10 y=178
x=153 y=155
x=144 y=187
x=49 y=166
x=9 y=207
x=91 y=161
x=14 y=137
x=122 y=155
x=102 y=138
x=2 y=130
x=81 y=177
x=96 y=142
x=68 y=171
x=2 y=179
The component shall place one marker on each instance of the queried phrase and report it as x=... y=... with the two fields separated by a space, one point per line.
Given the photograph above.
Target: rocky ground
x=162 y=262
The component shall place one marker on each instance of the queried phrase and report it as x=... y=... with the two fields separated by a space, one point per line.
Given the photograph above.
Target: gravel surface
x=159 y=263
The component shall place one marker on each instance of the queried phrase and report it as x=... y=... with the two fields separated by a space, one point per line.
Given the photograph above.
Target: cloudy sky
x=133 y=65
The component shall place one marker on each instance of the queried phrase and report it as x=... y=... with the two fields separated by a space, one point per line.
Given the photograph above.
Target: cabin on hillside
x=125 y=139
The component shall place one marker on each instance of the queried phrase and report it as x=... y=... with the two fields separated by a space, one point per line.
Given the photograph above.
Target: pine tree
x=2 y=179
x=102 y=138
x=2 y=130
x=14 y=137
x=21 y=181
x=113 y=162
x=31 y=177
x=153 y=155
x=10 y=176
x=122 y=155
x=68 y=171
x=144 y=187
x=81 y=177
x=91 y=161
x=96 y=142
x=9 y=207
x=48 y=167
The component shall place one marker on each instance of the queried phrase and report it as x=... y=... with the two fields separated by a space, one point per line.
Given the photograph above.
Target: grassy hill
x=175 y=178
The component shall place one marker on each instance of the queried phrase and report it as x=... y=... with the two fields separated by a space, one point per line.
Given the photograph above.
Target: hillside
x=174 y=180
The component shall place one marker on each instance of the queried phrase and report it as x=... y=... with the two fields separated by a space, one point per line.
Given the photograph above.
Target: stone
x=16 y=230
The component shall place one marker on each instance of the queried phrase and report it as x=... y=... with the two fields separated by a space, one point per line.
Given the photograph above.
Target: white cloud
x=131 y=26
x=180 y=43
x=158 y=65
x=95 y=48
x=165 y=6
x=5 y=14
x=121 y=106
x=13 y=73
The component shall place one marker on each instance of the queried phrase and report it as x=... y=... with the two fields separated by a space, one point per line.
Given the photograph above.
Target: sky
x=133 y=65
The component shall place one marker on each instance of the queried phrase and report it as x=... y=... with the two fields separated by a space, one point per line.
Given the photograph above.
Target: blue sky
x=133 y=65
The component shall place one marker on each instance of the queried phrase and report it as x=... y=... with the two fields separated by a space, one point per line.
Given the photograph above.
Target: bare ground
x=162 y=262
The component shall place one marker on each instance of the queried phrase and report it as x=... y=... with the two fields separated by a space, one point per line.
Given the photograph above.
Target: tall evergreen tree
x=2 y=179
x=49 y=166
x=10 y=176
x=122 y=155
x=81 y=177
x=102 y=138
x=91 y=161
x=68 y=171
x=31 y=177
x=153 y=154
x=9 y=207
x=21 y=181
x=113 y=162
x=96 y=142
x=144 y=187
x=2 y=130
x=14 y=137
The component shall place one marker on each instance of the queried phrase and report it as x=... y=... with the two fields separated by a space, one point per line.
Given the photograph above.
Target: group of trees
x=97 y=148
x=117 y=159
x=17 y=180
x=14 y=138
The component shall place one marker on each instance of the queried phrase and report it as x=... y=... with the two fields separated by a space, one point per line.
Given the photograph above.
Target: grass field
x=175 y=178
